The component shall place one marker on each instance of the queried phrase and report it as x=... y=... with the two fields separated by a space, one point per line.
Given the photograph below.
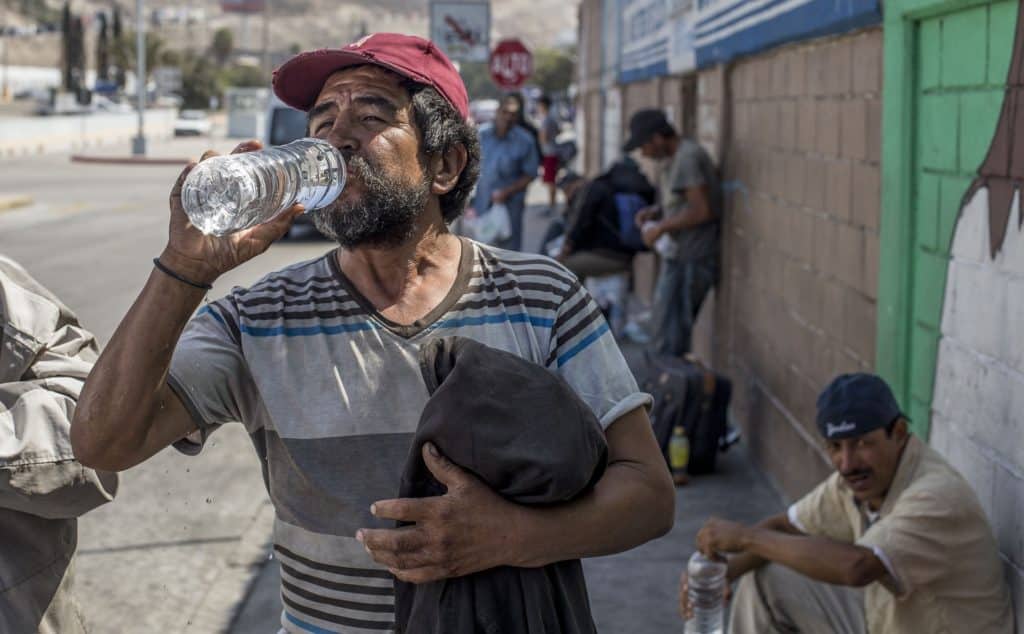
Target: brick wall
x=974 y=322
x=798 y=132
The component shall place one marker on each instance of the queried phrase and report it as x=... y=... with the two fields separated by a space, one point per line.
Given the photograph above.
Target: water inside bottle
x=706 y=579
x=228 y=193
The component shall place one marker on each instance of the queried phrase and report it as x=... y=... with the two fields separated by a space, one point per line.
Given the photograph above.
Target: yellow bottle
x=679 y=454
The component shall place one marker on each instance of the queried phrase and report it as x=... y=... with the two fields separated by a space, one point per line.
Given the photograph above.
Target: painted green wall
x=946 y=66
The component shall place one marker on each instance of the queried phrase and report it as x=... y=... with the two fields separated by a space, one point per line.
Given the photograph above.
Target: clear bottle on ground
x=224 y=194
x=679 y=455
x=706 y=588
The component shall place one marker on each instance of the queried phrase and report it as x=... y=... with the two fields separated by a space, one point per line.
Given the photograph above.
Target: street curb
x=128 y=160
x=14 y=202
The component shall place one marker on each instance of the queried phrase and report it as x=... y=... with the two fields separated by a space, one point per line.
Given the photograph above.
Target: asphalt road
x=175 y=552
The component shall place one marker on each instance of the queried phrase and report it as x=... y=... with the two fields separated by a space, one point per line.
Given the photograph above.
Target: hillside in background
x=315 y=23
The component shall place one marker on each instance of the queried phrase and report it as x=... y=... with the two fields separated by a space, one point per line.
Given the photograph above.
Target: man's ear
x=447 y=168
x=902 y=429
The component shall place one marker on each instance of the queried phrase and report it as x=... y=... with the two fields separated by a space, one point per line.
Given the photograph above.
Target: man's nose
x=342 y=135
x=847 y=460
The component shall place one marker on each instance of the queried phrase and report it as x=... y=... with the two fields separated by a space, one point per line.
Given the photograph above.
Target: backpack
x=689 y=395
x=627 y=204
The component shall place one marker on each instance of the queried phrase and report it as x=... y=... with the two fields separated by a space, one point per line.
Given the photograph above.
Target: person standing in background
x=547 y=134
x=44 y=359
x=508 y=164
x=689 y=215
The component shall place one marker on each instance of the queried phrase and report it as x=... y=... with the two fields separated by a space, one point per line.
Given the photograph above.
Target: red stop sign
x=511 y=64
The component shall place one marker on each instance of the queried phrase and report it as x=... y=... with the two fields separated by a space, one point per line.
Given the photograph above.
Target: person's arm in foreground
x=819 y=558
x=38 y=474
x=471 y=528
x=127 y=411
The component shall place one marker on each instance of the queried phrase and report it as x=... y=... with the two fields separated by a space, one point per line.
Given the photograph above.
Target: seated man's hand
x=468 y=529
x=647 y=214
x=650 y=233
x=721 y=536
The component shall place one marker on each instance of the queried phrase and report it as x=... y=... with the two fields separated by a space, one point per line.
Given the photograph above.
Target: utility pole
x=5 y=92
x=266 y=39
x=139 y=142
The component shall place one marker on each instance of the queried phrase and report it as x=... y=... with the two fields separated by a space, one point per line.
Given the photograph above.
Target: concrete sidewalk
x=633 y=592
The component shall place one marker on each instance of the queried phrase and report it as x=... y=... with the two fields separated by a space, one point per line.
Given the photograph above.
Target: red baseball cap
x=298 y=81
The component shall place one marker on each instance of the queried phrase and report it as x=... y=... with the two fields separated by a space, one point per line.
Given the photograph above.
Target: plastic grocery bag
x=491 y=227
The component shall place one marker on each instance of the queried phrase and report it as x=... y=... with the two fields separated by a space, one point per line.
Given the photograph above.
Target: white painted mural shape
x=978 y=404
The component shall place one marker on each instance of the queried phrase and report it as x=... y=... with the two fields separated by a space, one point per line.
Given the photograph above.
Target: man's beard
x=385 y=216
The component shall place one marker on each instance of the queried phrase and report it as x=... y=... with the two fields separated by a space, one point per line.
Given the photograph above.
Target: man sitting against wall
x=894 y=542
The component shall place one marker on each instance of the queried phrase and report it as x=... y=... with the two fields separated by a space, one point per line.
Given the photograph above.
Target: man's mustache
x=855 y=473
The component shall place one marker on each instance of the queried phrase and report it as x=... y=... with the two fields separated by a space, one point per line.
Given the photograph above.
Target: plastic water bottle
x=679 y=455
x=224 y=194
x=707 y=594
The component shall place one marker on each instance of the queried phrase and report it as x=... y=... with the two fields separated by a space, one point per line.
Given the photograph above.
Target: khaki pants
x=776 y=600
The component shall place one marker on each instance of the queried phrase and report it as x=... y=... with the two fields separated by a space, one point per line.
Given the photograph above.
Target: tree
x=553 y=70
x=119 y=49
x=66 y=35
x=103 y=51
x=244 y=76
x=170 y=57
x=76 y=50
x=154 y=51
x=199 y=82
x=477 y=77
x=223 y=44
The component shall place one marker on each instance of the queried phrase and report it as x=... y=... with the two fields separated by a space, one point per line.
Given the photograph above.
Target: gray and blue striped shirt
x=331 y=393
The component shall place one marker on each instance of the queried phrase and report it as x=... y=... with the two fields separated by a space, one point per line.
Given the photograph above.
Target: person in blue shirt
x=509 y=162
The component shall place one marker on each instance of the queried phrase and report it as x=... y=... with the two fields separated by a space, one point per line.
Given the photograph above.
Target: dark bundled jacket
x=522 y=430
x=593 y=221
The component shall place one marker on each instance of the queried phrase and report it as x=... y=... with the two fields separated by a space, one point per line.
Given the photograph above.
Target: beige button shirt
x=44 y=359
x=945 y=575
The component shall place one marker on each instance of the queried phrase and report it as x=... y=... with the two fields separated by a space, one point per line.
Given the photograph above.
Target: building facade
x=872 y=223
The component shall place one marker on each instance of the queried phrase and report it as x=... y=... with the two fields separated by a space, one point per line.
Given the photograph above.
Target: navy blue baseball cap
x=855 y=404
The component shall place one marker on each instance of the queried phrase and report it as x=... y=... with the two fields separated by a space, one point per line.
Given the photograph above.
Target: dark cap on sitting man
x=643 y=125
x=855 y=404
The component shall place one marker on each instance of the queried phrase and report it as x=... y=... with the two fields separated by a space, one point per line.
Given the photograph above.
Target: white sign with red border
x=462 y=29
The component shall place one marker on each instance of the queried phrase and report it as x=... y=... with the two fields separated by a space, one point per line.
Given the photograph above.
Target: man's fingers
x=425 y=574
x=251 y=145
x=207 y=154
x=446 y=471
x=392 y=540
x=274 y=229
x=407 y=509
x=178 y=184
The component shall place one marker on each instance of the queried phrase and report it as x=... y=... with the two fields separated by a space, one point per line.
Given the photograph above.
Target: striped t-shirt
x=331 y=393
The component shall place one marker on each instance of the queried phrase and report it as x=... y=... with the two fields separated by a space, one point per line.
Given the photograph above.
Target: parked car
x=192 y=123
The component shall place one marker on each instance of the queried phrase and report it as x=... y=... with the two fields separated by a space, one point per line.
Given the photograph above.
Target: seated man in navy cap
x=893 y=542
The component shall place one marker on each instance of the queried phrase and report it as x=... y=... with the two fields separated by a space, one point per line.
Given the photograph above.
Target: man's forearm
x=628 y=507
x=112 y=422
x=815 y=557
x=685 y=218
x=742 y=563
